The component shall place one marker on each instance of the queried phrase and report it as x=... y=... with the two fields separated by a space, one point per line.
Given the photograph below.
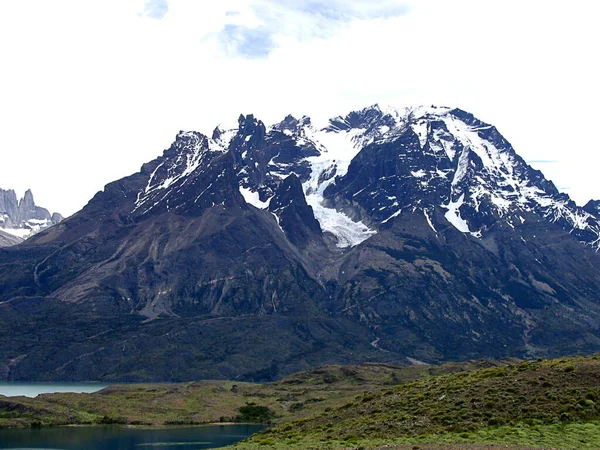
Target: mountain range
x=406 y=235
x=22 y=218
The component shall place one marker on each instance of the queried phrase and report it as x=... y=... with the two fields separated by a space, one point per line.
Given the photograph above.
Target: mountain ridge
x=419 y=229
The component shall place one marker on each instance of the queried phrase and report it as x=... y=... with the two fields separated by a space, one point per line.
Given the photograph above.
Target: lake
x=33 y=389
x=118 y=438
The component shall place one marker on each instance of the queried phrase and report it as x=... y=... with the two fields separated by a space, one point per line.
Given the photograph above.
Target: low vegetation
x=296 y=396
x=549 y=404
x=552 y=403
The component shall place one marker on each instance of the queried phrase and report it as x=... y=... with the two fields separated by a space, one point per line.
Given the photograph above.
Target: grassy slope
x=293 y=397
x=552 y=403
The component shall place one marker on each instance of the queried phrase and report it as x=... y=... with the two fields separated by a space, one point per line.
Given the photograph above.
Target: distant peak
x=248 y=124
x=217 y=133
x=366 y=118
x=188 y=134
x=289 y=122
x=28 y=199
x=251 y=129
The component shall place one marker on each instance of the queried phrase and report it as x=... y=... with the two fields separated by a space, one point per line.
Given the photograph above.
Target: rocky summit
x=20 y=219
x=405 y=235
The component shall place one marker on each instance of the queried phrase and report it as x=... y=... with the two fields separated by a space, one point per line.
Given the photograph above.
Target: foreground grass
x=541 y=403
x=557 y=436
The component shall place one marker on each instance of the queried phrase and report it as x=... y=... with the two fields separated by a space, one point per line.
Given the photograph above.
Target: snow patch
x=502 y=204
x=253 y=198
x=453 y=215
x=38 y=221
x=278 y=224
x=22 y=233
x=426 y=213
x=463 y=165
x=396 y=214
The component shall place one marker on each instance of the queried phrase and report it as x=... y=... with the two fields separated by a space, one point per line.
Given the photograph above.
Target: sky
x=91 y=90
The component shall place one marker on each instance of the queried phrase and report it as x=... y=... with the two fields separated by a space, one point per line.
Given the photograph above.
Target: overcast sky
x=90 y=90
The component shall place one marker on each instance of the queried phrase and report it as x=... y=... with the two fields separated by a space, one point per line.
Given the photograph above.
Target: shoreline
x=134 y=426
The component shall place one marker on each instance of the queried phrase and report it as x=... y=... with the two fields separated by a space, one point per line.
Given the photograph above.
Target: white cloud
x=156 y=9
x=90 y=91
x=252 y=31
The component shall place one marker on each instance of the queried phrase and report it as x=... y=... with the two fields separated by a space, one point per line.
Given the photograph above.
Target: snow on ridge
x=415 y=112
x=501 y=163
x=499 y=181
x=504 y=186
x=221 y=144
x=336 y=148
x=494 y=159
x=578 y=218
x=189 y=157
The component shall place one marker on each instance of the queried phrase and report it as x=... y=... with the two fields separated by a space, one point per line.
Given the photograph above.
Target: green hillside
x=527 y=404
x=551 y=403
x=295 y=396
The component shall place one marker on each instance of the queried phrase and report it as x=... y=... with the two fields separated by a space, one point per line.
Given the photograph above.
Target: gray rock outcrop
x=22 y=218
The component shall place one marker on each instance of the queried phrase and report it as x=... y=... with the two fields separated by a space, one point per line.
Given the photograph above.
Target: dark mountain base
x=59 y=342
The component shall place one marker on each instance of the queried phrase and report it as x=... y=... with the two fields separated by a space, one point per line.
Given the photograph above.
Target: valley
x=536 y=403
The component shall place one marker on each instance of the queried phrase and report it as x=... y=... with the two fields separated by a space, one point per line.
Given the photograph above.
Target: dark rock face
x=593 y=207
x=24 y=216
x=388 y=235
x=262 y=159
x=296 y=217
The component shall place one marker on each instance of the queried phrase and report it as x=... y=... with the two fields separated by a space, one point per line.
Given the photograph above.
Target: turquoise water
x=117 y=438
x=34 y=389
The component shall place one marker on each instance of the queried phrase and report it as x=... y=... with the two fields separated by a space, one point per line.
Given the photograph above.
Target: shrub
x=251 y=412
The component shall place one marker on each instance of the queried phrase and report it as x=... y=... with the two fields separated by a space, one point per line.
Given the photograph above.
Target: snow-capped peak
x=449 y=159
x=412 y=158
